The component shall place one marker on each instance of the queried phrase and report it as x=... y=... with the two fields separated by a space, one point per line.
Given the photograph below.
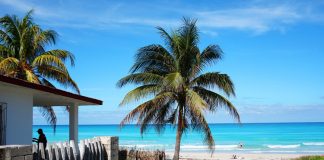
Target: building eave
x=25 y=84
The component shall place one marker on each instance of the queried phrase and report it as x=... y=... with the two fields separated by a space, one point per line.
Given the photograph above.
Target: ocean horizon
x=279 y=137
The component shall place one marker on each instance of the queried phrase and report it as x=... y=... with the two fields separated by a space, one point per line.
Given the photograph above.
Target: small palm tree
x=179 y=89
x=23 y=55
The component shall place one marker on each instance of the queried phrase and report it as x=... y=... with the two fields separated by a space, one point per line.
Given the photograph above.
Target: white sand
x=229 y=156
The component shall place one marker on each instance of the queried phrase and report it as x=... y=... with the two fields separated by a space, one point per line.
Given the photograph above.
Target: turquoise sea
x=306 y=138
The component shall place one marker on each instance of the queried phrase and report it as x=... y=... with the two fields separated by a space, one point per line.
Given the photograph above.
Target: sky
x=273 y=51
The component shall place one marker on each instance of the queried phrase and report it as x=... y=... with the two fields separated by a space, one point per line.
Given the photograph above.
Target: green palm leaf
x=215 y=100
x=215 y=79
x=140 y=78
x=9 y=65
x=140 y=92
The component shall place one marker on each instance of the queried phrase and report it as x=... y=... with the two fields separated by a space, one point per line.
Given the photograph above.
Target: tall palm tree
x=179 y=90
x=23 y=55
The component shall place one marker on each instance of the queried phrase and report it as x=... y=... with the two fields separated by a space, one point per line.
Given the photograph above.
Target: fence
x=100 y=148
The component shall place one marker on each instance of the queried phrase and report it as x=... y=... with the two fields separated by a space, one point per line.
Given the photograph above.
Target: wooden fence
x=89 y=149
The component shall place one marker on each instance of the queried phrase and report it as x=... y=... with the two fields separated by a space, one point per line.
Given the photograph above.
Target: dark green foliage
x=310 y=158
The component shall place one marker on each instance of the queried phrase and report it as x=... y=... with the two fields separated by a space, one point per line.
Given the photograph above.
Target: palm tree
x=179 y=90
x=23 y=55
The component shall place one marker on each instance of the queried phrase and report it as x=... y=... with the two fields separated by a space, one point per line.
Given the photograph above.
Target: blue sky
x=274 y=51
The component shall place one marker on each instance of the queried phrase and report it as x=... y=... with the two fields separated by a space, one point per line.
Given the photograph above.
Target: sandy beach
x=229 y=156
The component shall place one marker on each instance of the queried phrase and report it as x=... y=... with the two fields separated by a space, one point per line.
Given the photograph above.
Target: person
x=240 y=145
x=41 y=138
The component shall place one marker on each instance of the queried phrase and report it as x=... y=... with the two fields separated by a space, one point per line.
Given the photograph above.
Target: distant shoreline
x=229 y=156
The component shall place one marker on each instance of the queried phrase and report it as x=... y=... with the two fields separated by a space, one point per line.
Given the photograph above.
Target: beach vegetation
x=310 y=158
x=178 y=91
x=137 y=153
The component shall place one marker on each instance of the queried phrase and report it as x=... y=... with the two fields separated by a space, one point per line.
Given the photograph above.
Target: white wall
x=19 y=114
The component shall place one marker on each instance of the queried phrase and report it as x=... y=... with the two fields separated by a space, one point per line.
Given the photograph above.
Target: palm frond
x=163 y=116
x=10 y=25
x=215 y=100
x=141 y=110
x=159 y=105
x=211 y=54
x=199 y=123
x=5 y=51
x=173 y=82
x=169 y=39
x=195 y=101
x=31 y=77
x=61 y=76
x=42 y=38
x=62 y=54
x=49 y=114
x=48 y=60
x=26 y=21
x=5 y=38
x=9 y=65
x=215 y=79
x=189 y=34
x=140 y=78
x=153 y=56
x=140 y=92
x=47 y=83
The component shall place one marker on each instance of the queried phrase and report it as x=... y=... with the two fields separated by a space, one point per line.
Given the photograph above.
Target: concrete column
x=73 y=123
x=111 y=147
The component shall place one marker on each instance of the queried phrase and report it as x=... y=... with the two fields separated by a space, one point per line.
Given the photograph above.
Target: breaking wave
x=284 y=146
x=313 y=143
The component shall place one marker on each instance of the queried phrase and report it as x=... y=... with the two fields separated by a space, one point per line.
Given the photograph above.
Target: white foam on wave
x=142 y=145
x=313 y=143
x=226 y=146
x=273 y=152
x=193 y=147
x=217 y=147
x=284 y=146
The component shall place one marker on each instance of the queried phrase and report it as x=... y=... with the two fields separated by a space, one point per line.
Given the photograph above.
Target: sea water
x=306 y=138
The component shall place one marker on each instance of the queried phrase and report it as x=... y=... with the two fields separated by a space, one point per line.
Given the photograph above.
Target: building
x=17 y=99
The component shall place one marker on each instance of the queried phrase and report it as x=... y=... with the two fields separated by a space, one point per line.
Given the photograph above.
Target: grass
x=310 y=158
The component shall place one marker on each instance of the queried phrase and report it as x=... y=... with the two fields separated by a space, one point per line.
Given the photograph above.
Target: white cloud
x=209 y=32
x=256 y=18
x=279 y=108
x=25 y=6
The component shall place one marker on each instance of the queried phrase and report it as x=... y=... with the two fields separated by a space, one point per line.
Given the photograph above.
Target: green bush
x=310 y=158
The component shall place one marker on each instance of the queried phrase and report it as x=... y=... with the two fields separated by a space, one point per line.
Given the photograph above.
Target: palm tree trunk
x=178 y=138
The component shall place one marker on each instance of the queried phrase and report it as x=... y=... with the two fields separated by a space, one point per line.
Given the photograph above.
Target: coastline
x=229 y=156
x=270 y=138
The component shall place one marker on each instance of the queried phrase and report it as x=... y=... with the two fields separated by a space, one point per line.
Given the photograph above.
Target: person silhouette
x=240 y=145
x=41 y=138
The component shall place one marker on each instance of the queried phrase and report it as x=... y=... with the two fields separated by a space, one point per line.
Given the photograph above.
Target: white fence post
x=99 y=148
